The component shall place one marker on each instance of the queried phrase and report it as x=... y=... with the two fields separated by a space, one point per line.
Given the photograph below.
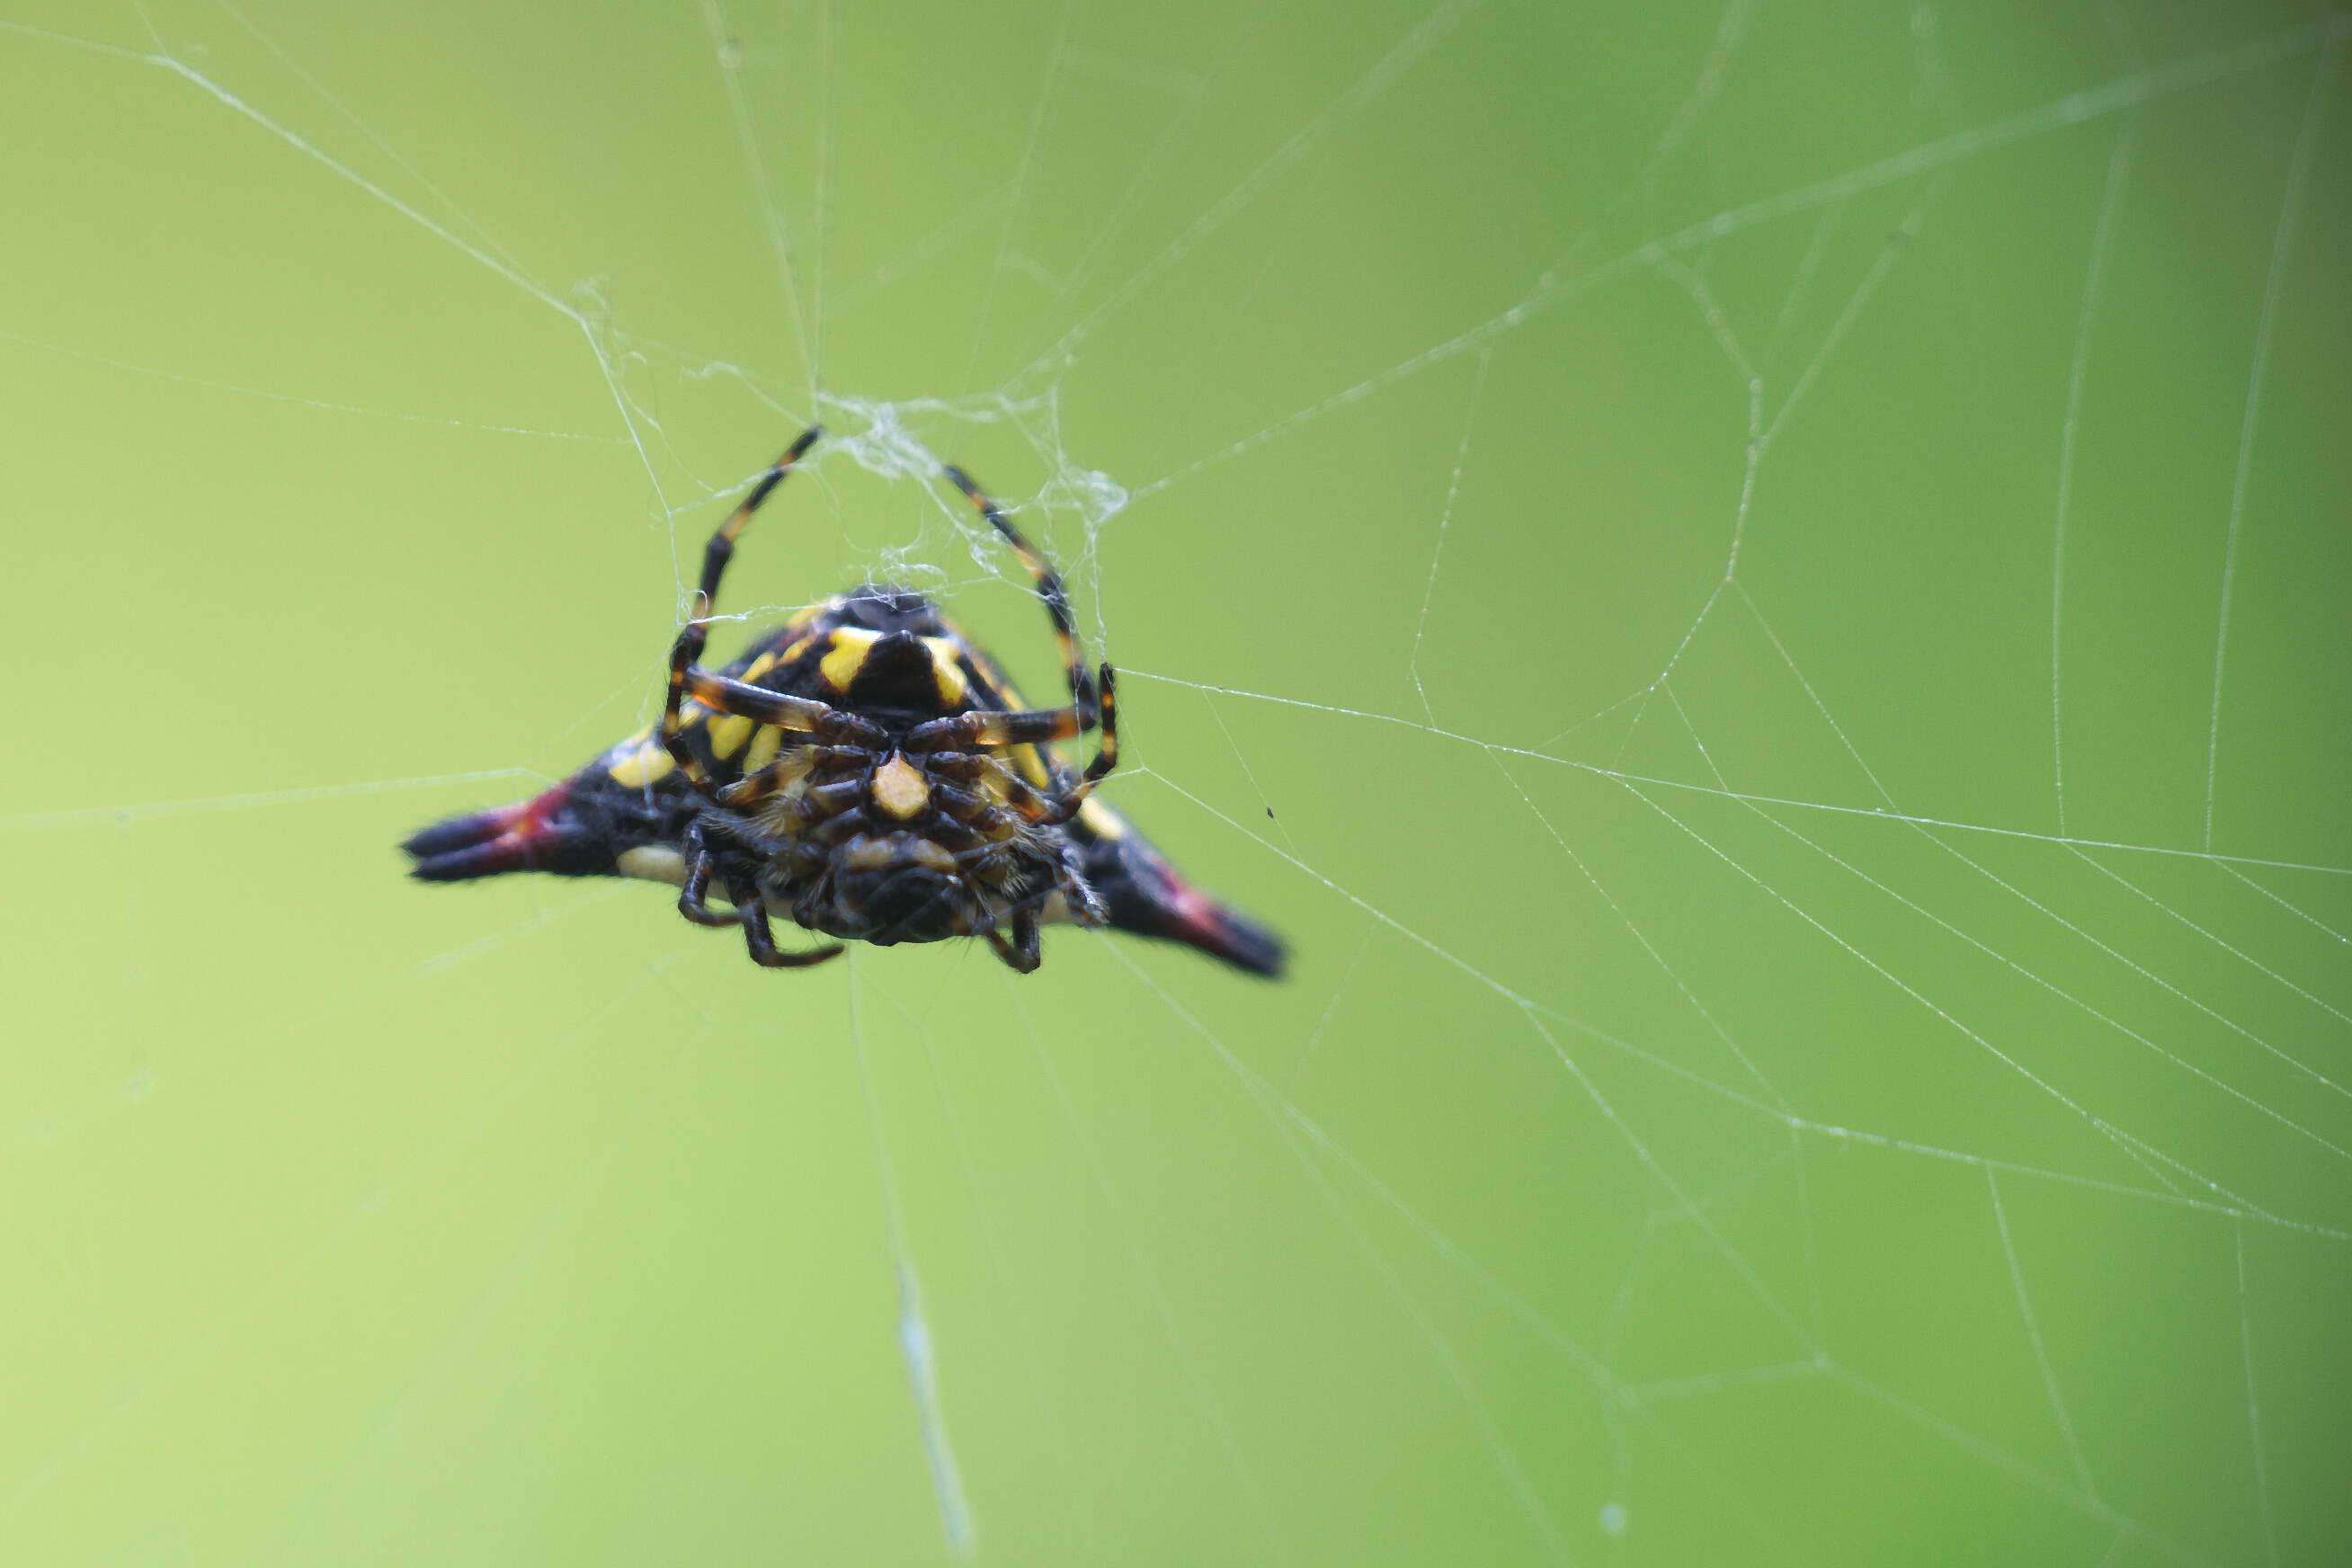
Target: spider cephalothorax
x=866 y=772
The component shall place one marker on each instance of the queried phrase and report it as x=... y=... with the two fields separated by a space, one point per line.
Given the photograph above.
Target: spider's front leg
x=692 y=635
x=1029 y=727
x=1106 y=751
x=834 y=732
x=1050 y=590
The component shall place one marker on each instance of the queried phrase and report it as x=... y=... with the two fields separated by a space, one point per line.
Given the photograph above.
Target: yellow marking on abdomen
x=642 y=766
x=727 y=734
x=851 y=644
x=850 y=647
x=764 y=741
x=758 y=667
x=945 y=671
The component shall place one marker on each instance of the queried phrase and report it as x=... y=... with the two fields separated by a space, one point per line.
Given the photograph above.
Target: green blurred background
x=1842 y=1059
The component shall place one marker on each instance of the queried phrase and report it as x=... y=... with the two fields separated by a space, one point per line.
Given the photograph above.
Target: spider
x=868 y=772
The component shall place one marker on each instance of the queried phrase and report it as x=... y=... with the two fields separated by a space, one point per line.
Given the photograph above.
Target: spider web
x=1758 y=592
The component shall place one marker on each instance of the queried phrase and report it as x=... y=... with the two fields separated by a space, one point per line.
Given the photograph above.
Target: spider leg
x=985 y=727
x=1049 y=587
x=971 y=809
x=989 y=727
x=1092 y=702
x=692 y=896
x=724 y=694
x=830 y=802
x=983 y=767
x=697 y=630
x=795 y=762
x=698 y=888
x=840 y=828
x=1106 y=754
x=1022 y=952
x=762 y=941
x=803 y=715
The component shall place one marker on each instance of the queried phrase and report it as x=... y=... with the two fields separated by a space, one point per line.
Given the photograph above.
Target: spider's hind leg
x=751 y=910
x=1023 y=951
x=701 y=862
x=761 y=940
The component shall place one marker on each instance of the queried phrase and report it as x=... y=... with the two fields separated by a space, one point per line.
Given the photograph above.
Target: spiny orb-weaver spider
x=868 y=772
